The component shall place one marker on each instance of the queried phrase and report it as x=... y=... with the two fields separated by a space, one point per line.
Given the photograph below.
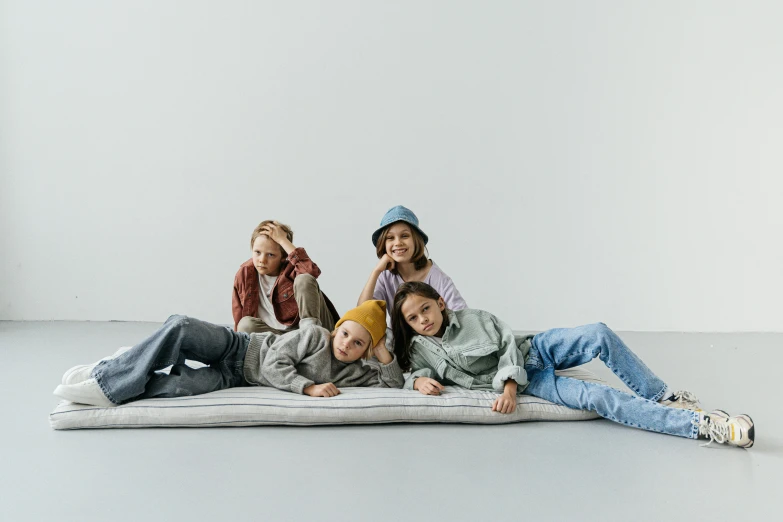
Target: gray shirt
x=294 y=360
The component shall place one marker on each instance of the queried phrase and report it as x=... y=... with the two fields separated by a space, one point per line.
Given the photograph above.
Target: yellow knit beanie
x=371 y=315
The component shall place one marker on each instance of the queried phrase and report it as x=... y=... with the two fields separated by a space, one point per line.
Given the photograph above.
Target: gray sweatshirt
x=294 y=360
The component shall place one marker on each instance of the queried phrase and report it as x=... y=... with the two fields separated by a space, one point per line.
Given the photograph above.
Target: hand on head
x=381 y=352
x=274 y=231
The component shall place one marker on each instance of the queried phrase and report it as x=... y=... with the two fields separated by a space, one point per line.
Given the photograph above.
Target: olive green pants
x=309 y=300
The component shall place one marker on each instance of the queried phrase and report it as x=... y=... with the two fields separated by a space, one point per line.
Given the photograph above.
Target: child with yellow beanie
x=310 y=360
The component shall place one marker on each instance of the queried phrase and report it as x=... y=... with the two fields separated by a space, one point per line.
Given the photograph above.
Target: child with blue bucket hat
x=400 y=245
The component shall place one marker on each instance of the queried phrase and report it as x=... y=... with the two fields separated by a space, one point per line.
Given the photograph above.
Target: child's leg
x=183 y=380
x=180 y=337
x=612 y=404
x=311 y=302
x=255 y=325
x=568 y=347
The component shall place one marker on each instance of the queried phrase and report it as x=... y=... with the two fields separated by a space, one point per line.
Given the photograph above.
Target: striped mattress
x=259 y=406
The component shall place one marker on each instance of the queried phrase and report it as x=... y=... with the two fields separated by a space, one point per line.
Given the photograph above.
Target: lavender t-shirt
x=388 y=283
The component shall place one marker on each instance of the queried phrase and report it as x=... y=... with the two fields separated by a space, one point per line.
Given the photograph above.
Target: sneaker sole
x=751 y=432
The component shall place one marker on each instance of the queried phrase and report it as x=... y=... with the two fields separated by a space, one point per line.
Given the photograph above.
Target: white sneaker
x=719 y=427
x=82 y=372
x=682 y=399
x=85 y=392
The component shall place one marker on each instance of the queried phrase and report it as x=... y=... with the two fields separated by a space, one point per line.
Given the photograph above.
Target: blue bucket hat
x=399 y=213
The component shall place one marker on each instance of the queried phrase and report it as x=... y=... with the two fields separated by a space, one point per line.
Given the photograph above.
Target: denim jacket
x=478 y=352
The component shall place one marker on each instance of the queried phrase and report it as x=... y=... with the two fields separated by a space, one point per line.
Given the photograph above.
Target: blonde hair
x=289 y=234
x=367 y=354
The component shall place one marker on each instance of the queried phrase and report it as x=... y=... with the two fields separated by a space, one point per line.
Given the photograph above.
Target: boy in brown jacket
x=277 y=286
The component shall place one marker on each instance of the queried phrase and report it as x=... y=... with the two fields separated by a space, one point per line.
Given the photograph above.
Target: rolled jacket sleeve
x=510 y=360
x=423 y=372
x=302 y=264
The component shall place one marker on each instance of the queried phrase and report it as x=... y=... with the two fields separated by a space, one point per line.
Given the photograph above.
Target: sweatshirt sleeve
x=302 y=264
x=389 y=375
x=279 y=365
x=510 y=364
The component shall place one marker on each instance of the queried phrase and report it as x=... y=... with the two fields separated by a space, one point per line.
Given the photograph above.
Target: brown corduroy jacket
x=246 y=289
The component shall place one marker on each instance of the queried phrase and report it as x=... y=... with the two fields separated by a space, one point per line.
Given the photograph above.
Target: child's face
x=350 y=342
x=423 y=314
x=399 y=243
x=266 y=256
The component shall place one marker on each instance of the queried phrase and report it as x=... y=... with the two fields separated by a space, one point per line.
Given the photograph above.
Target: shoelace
x=718 y=432
x=686 y=397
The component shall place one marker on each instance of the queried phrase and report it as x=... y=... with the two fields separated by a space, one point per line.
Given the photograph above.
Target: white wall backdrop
x=571 y=161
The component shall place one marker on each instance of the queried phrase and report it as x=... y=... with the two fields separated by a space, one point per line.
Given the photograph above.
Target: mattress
x=260 y=406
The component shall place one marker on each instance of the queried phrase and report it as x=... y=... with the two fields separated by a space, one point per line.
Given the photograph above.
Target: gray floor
x=545 y=470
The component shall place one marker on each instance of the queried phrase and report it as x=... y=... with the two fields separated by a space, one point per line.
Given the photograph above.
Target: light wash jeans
x=133 y=375
x=568 y=347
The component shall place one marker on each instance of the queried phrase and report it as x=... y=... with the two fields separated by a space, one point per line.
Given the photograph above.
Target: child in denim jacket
x=474 y=349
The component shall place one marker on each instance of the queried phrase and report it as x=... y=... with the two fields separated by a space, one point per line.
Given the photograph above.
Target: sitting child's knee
x=177 y=320
x=304 y=280
x=246 y=324
x=601 y=330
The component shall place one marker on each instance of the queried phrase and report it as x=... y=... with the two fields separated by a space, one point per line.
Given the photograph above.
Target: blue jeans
x=133 y=376
x=568 y=347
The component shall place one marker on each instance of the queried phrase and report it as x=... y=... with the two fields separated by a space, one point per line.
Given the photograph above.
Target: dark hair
x=419 y=258
x=403 y=333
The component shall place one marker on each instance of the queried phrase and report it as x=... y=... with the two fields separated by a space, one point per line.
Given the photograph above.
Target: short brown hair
x=257 y=232
x=419 y=258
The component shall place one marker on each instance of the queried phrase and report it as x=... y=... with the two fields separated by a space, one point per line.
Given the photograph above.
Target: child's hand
x=321 y=390
x=385 y=263
x=275 y=233
x=381 y=352
x=505 y=403
x=427 y=386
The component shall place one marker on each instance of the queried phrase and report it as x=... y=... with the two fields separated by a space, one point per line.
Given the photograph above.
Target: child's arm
x=368 y=292
x=321 y=390
x=297 y=257
x=422 y=378
x=427 y=386
x=506 y=402
x=510 y=367
x=302 y=263
x=279 y=365
x=389 y=371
